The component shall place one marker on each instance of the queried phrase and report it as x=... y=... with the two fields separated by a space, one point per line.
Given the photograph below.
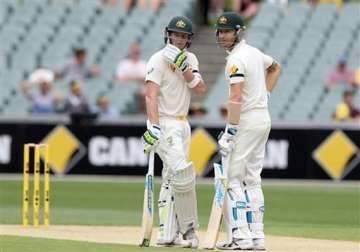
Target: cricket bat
x=219 y=202
x=148 y=206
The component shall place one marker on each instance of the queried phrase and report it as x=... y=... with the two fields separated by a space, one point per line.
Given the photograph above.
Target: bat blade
x=213 y=228
x=216 y=214
x=148 y=212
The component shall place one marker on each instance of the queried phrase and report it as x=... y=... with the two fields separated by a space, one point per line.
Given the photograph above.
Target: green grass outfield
x=312 y=211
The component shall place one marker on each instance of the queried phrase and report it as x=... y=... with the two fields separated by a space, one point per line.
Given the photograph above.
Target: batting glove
x=151 y=137
x=175 y=56
x=226 y=140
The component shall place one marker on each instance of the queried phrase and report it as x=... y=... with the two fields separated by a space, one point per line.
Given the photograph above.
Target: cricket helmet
x=230 y=21
x=179 y=24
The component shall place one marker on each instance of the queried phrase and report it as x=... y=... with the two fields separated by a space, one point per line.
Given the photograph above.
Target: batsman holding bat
x=172 y=73
x=251 y=75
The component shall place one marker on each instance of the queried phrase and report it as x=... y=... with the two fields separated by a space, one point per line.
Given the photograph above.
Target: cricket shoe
x=191 y=237
x=236 y=244
x=259 y=244
x=177 y=242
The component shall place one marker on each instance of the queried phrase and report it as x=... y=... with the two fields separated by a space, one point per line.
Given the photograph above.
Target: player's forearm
x=194 y=81
x=152 y=109
x=272 y=76
x=200 y=89
x=235 y=95
x=234 y=104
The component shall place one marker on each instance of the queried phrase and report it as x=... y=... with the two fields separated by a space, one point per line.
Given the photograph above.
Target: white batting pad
x=255 y=198
x=183 y=185
x=236 y=211
x=168 y=228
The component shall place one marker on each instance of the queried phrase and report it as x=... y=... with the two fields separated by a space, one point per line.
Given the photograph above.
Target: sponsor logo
x=116 y=151
x=219 y=192
x=149 y=193
x=202 y=147
x=150 y=71
x=337 y=155
x=65 y=150
x=240 y=204
x=276 y=154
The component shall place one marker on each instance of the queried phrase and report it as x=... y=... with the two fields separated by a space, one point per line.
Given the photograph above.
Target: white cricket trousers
x=246 y=163
x=247 y=157
x=174 y=146
x=178 y=171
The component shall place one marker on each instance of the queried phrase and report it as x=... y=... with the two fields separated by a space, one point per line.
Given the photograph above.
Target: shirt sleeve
x=267 y=61
x=153 y=71
x=235 y=71
x=193 y=62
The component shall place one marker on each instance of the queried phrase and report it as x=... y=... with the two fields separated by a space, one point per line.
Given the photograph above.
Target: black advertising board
x=115 y=149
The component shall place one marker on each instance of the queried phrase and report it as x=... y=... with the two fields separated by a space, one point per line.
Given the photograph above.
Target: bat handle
x=225 y=162
x=151 y=163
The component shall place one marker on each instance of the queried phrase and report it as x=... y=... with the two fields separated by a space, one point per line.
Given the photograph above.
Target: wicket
x=37 y=150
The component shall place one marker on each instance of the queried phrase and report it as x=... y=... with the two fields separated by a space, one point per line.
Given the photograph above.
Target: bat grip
x=151 y=163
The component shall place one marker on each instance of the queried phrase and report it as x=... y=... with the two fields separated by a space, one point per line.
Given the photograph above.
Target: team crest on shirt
x=172 y=67
x=180 y=24
x=233 y=69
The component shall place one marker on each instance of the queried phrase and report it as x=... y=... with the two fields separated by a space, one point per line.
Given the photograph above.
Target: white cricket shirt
x=248 y=64
x=174 y=96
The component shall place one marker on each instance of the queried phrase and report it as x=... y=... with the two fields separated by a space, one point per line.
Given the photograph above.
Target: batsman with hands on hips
x=172 y=73
x=251 y=75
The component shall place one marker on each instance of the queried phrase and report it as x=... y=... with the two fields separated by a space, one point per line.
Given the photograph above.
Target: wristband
x=194 y=82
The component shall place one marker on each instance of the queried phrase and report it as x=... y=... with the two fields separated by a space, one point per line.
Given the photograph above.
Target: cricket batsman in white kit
x=251 y=77
x=172 y=73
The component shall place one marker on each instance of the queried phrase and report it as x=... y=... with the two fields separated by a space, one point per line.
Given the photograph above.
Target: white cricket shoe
x=191 y=237
x=236 y=244
x=177 y=242
x=259 y=244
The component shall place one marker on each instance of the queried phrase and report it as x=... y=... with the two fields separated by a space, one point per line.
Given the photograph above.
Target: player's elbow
x=278 y=68
x=274 y=69
x=278 y=72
